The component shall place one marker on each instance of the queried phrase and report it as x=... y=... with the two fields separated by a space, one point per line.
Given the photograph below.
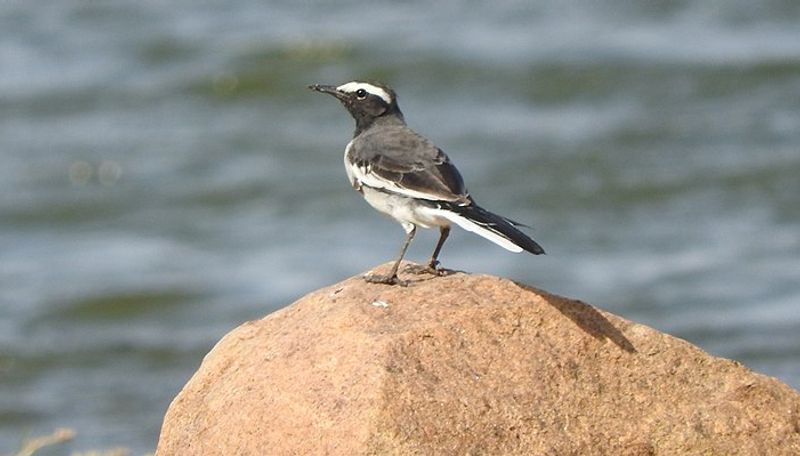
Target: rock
x=469 y=365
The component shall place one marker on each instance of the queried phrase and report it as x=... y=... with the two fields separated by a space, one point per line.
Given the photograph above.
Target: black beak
x=330 y=90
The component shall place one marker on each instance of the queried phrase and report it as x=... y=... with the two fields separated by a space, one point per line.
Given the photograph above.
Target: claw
x=386 y=280
x=433 y=269
x=436 y=268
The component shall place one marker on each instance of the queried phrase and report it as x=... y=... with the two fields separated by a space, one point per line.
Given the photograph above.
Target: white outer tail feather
x=469 y=225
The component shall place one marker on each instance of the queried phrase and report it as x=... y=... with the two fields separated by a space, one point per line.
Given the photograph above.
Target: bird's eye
x=361 y=94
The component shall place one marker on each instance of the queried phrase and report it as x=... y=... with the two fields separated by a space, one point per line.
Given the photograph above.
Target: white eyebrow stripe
x=353 y=86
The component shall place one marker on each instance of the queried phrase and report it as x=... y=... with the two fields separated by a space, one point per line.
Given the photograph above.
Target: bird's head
x=366 y=101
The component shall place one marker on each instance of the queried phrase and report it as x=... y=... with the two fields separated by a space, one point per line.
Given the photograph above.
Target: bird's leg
x=444 y=231
x=433 y=266
x=391 y=278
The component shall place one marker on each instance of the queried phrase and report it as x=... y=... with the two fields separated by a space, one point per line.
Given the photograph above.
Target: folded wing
x=397 y=160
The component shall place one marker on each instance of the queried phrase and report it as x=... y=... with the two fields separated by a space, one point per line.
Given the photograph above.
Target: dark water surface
x=166 y=176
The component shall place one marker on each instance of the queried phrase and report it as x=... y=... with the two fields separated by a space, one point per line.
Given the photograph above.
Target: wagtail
x=408 y=178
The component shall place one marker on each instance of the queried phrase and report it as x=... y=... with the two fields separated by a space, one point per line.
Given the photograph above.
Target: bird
x=407 y=177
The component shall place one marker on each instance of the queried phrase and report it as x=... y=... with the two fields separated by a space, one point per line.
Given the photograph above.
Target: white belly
x=404 y=210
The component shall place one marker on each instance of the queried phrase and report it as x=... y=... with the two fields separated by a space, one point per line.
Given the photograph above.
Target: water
x=167 y=176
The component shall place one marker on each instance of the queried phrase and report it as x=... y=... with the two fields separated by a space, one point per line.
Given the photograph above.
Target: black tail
x=501 y=226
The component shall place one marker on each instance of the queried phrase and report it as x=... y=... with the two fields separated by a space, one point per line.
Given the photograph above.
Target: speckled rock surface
x=469 y=365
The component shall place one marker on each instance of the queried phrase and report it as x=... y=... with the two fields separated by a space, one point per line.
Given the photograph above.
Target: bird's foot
x=389 y=279
x=432 y=268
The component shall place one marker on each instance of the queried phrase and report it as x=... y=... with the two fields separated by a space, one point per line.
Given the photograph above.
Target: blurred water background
x=165 y=175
